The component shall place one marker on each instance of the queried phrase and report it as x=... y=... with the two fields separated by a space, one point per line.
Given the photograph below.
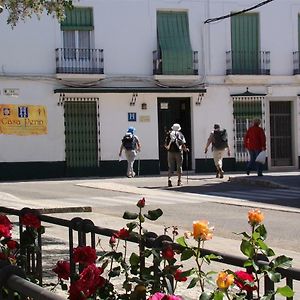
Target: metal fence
x=84 y=231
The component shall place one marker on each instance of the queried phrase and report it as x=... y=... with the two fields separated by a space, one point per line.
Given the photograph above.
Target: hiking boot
x=221 y=172
x=218 y=175
x=179 y=183
x=169 y=183
x=133 y=174
x=248 y=172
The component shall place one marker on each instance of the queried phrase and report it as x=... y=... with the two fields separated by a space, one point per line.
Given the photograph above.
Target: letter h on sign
x=131 y=117
x=23 y=112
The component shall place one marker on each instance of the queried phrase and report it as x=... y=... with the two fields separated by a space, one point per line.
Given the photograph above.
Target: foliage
x=155 y=271
x=23 y=9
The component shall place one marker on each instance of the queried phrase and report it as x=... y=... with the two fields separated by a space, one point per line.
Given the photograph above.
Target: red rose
x=62 y=269
x=4 y=231
x=178 y=276
x=84 y=255
x=122 y=234
x=141 y=203
x=3 y=256
x=31 y=220
x=11 y=244
x=76 y=291
x=242 y=280
x=112 y=240
x=168 y=253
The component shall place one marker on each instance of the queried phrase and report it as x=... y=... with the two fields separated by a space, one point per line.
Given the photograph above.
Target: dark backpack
x=220 y=140
x=175 y=144
x=129 y=141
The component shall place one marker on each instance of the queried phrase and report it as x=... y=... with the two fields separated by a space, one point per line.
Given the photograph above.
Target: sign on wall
x=23 y=119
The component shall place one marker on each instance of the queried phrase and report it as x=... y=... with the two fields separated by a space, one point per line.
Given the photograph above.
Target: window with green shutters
x=174 y=43
x=245 y=109
x=245 y=43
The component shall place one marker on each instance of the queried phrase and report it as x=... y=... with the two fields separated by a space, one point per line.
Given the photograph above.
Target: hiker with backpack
x=131 y=145
x=219 y=140
x=175 y=144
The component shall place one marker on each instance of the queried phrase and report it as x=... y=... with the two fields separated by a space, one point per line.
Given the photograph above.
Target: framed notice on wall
x=23 y=119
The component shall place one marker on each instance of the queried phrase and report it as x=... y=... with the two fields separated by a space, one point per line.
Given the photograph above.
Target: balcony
x=248 y=63
x=185 y=72
x=79 y=63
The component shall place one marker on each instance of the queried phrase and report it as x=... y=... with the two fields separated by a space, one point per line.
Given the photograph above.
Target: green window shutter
x=174 y=43
x=299 y=32
x=78 y=18
x=245 y=43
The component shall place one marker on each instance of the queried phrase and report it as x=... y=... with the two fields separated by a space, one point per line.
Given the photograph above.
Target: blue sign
x=23 y=112
x=131 y=117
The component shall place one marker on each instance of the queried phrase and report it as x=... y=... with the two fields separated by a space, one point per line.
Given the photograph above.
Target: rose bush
x=154 y=273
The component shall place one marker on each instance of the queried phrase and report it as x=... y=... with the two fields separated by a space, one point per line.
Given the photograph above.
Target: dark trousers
x=253 y=165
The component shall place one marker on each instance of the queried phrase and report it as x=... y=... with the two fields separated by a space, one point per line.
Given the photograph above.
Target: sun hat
x=176 y=127
x=131 y=129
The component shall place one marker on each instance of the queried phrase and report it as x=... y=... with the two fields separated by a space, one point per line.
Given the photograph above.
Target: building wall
x=126 y=30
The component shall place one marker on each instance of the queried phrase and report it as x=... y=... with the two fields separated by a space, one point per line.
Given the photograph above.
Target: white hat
x=176 y=127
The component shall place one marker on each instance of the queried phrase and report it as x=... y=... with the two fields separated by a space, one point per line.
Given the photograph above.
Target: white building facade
x=69 y=91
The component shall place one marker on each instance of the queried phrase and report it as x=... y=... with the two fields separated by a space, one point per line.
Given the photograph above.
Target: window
x=175 y=49
x=77 y=31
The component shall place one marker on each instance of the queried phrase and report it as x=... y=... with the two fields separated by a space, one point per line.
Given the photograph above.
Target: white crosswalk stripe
x=260 y=194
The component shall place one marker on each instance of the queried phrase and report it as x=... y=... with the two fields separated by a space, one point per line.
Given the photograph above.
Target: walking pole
x=139 y=165
x=187 y=166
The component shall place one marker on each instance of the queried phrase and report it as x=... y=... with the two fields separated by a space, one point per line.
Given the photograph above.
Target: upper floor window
x=77 y=29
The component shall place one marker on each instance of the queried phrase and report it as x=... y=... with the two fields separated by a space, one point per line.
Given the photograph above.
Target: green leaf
x=274 y=276
x=245 y=234
x=193 y=283
x=269 y=252
x=282 y=261
x=115 y=272
x=247 y=248
x=209 y=257
x=285 y=291
x=262 y=245
x=181 y=241
x=262 y=231
x=188 y=273
x=206 y=296
x=187 y=254
x=129 y=215
x=131 y=225
x=134 y=260
x=218 y=295
x=154 y=214
x=141 y=218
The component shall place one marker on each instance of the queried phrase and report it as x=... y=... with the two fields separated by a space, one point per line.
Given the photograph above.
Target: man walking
x=175 y=143
x=131 y=145
x=218 y=139
x=255 y=142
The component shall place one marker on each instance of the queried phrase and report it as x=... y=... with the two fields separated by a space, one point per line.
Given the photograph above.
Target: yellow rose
x=255 y=217
x=201 y=231
x=225 y=280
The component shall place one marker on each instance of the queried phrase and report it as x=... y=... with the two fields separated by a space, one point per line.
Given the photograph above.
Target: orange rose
x=225 y=280
x=201 y=231
x=255 y=217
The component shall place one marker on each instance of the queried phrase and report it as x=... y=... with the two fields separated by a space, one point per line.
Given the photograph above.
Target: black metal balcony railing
x=296 y=62
x=79 y=61
x=157 y=63
x=86 y=231
x=248 y=63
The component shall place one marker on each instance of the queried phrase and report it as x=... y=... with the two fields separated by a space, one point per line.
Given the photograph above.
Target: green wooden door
x=170 y=111
x=245 y=43
x=81 y=140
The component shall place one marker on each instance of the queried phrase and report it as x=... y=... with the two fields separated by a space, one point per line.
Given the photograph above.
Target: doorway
x=281 y=133
x=170 y=111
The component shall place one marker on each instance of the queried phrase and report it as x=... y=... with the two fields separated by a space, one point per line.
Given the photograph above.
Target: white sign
x=164 y=105
x=11 y=92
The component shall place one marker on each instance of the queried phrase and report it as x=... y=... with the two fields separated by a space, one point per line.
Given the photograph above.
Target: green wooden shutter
x=81 y=134
x=299 y=32
x=245 y=43
x=174 y=42
x=78 y=18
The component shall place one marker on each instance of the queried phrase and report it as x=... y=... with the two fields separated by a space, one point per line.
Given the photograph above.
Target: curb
x=58 y=210
x=258 y=182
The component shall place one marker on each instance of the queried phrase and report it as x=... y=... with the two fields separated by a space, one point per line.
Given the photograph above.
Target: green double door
x=170 y=111
x=81 y=138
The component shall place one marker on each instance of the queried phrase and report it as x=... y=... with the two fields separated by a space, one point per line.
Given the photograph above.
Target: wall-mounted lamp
x=199 y=99
x=133 y=99
x=144 y=106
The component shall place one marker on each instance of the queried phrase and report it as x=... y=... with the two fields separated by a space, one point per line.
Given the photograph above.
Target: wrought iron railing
x=86 y=232
x=157 y=63
x=79 y=61
x=248 y=63
x=296 y=62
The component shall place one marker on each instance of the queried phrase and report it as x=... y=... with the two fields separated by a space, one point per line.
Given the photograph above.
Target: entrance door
x=281 y=133
x=170 y=111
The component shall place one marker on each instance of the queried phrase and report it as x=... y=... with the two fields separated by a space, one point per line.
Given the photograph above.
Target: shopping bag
x=261 y=157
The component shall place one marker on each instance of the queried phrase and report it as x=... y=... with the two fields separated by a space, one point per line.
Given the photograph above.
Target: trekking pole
x=139 y=165
x=187 y=166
